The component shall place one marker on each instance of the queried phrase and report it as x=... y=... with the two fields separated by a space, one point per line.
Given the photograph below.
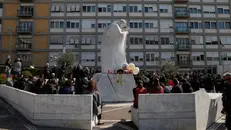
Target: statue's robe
x=113 y=48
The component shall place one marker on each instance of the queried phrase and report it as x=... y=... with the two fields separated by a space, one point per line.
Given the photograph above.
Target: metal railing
x=182 y=30
x=24 y=29
x=181 y=13
x=25 y=13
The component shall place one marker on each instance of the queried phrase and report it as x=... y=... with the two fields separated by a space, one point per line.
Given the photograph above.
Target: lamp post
x=10 y=44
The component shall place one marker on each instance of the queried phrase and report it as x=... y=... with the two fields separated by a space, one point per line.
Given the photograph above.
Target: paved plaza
x=115 y=116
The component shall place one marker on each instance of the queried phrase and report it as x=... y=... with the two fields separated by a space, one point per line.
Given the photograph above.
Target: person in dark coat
x=226 y=98
x=79 y=75
x=186 y=86
x=176 y=88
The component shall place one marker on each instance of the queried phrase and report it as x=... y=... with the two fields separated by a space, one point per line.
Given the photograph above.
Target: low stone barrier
x=115 y=87
x=68 y=111
x=192 y=111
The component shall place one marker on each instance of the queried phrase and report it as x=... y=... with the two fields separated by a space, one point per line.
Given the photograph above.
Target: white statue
x=113 y=47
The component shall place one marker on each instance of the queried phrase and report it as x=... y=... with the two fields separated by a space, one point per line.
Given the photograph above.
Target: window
x=57 y=8
x=57 y=39
x=136 y=56
x=199 y=58
x=195 y=25
x=148 y=25
x=134 y=40
x=57 y=24
x=149 y=8
x=120 y=8
x=164 y=8
x=1 y=5
x=181 y=25
x=213 y=25
x=72 y=39
x=88 y=8
x=226 y=11
x=164 y=41
x=135 y=8
x=104 y=8
x=207 y=25
x=194 y=11
x=151 y=57
x=227 y=25
x=73 y=8
x=151 y=40
x=72 y=24
x=221 y=25
x=88 y=40
x=219 y=10
x=136 y=24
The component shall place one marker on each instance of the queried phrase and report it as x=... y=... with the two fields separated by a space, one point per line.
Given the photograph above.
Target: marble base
x=113 y=91
x=67 y=111
x=188 y=111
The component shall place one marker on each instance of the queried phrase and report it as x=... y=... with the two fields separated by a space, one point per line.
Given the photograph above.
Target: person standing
x=8 y=67
x=176 y=88
x=226 y=98
x=17 y=67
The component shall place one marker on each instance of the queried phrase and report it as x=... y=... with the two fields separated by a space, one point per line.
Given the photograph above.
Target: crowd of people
x=79 y=80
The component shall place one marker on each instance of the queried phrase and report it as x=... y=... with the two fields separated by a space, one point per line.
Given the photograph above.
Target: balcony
x=24 y=29
x=183 y=47
x=182 y=30
x=23 y=44
x=182 y=15
x=184 y=63
x=26 y=63
x=24 y=13
x=181 y=1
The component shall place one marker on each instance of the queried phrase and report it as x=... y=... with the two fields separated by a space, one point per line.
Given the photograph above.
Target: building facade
x=192 y=34
x=24 y=31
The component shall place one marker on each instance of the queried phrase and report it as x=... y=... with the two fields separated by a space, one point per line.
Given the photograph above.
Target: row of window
x=210 y=25
x=151 y=57
x=163 y=8
x=74 y=24
x=147 y=39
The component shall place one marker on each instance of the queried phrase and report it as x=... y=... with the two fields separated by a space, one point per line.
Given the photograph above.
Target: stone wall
x=68 y=111
x=192 y=111
x=113 y=88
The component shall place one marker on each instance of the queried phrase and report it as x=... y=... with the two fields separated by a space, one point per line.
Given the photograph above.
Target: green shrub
x=3 y=79
x=27 y=74
x=34 y=72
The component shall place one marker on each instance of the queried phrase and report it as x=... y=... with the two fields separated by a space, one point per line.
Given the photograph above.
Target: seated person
x=138 y=90
x=155 y=87
x=97 y=102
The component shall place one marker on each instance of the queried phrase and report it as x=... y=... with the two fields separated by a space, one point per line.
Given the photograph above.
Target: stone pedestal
x=115 y=88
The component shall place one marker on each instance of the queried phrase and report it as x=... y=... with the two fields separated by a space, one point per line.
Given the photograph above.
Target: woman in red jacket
x=138 y=90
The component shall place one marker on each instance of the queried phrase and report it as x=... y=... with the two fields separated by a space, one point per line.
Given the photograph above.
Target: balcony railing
x=184 y=63
x=182 y=30
x=24 y=29
x=184 y=14
x=184 y=46
x=23 y=13
x=23 y=46
x=181 y=1
x=26 y=63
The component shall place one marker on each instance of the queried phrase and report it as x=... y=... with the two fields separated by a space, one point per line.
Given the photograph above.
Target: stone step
x=219 y=125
